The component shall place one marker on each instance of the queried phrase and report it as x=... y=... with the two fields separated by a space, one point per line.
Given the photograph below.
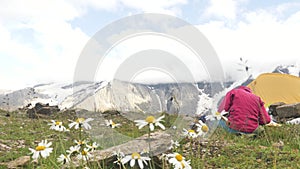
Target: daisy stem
x=54 y=164
x=87 y=161
x=61 y=143
x=80 y=132
x=191 y=148
x=149 y=141
x=150 y=151
x=122 y=166
x=41 y=162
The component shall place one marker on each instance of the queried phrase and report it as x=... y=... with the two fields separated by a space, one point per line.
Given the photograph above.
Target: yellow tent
x=276 y=87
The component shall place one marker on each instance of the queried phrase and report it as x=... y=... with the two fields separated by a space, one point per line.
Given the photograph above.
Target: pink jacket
x=246 y=110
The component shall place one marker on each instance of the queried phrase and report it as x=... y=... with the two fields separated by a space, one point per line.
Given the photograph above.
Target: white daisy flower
x=178 y=161
x=112 y=124
x=84 y=155
x=42 y=149
x=80 y=143
x=216 y=116
x=57 y=125
x=202 y=128
x=64 y=159
x=174 y=145
x=120 y=155
x=135 y=157
x=163 y=156
x=81 y=122
x=145 y=151
x=93 y=146
x=73 y=150
x=190 y=133
x=151 y=121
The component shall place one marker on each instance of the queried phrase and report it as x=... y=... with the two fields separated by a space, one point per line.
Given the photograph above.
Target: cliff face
x=185 y=98
x=123 y=96
x=16 y=99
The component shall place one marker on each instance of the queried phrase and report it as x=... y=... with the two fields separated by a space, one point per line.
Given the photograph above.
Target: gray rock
x=272 y=108
x=288 y=111
x=19 y=162
x=41 y=109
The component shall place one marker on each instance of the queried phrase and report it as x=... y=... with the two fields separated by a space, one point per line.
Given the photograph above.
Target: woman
x=246 y=111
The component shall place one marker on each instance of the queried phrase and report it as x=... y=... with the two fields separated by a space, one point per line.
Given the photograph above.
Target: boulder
x=19 y=162
x=288 y=111
x=160 y=141
x=272 y=108
x=42 y=109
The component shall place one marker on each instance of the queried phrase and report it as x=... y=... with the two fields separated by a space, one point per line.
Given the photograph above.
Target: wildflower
x=42 y=149
x=93 y=146
x=73 y=150
x=174 y=145
x=64 y=159
x=151 y=121
x=145 y=151
x=84 y=155
x=80 y=143
x=112 y=124
x=81 y=122
x=133 y=157
x=202 y=128
x=178 y=161
x=120 y=155
x=190 y=133
x=163 y=156
x=57 y=125
x=216 y=116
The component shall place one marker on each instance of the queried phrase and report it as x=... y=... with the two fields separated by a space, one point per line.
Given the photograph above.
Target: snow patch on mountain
x=293 y=69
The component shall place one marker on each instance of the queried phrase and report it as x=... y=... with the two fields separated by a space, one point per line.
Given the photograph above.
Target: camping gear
x=276 y=87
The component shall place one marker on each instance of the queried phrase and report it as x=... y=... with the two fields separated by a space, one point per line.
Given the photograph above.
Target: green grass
x=221 y=150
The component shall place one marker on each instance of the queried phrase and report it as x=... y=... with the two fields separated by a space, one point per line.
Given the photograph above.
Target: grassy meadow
x=277 y=147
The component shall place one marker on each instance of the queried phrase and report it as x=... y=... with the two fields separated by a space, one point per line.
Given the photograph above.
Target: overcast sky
x=40 y=41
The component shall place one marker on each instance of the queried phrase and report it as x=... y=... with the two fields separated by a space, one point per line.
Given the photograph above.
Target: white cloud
x=26 y=11
x=222 y=9
x=261 y=37
x=46 y=47
x=282 y=9
x=156 y=6
x=147 y=42
x=83 y=6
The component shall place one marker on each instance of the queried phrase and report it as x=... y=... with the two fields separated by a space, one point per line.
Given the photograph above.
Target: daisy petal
x=132 y=162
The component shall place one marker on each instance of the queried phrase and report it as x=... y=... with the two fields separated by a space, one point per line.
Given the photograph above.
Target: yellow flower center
x=81 y=142
x=40 y=148
x=150 y=119
x=191 y=131
x=135 y=155
x=84 y=153
x=179 y=157
x=218 y=113
x=204 y=128
x=57 y=123
x=113 y=123
x=79 y=120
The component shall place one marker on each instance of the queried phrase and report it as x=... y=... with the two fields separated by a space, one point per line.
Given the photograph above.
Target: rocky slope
x=117 y=95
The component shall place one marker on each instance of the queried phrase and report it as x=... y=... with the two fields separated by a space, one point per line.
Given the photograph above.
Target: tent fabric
x=276 y=87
